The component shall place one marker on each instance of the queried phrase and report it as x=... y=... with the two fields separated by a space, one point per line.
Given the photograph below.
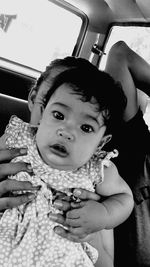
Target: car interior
x=35 y=32
x=97 y=22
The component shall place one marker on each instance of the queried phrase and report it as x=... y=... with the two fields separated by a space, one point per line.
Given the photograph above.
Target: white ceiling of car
x=103 y=12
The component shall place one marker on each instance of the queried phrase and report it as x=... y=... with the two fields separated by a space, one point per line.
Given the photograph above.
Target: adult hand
x=7 y=186
x=76 y=229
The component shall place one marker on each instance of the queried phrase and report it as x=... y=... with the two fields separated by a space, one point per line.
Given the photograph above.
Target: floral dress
x=27 y=238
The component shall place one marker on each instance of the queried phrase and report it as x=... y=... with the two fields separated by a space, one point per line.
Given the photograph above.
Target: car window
x=34 y=32
x=136 y=37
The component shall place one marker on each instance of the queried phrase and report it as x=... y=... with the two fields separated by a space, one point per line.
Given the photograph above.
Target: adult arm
x=132 y=71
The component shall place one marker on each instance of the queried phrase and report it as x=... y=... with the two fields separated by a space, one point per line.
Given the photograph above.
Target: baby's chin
x=63 y=167
x=60 y=164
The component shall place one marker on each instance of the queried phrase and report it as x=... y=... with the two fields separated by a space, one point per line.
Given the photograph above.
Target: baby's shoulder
x=111 y=171
x=17 y=132
x=100 y=163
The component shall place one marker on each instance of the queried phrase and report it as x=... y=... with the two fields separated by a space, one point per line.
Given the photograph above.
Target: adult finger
x=66 y=234
x=62 y=205
x=10 y=202
x=80 y=234
x=8 y=154
x=13 y=168
x=77 y=231
x=58 y=218
x=85 y=194
x=13 y=185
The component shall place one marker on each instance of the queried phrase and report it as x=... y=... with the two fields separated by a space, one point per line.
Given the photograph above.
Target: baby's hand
x=82 y=219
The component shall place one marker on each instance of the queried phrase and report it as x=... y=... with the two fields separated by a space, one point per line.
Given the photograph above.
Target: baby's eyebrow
x=93 y=118
x=61 y=104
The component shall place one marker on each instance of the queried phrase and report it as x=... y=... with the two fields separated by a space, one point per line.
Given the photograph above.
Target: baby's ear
x=31 y=99
x=36 y=107
x=105 y=140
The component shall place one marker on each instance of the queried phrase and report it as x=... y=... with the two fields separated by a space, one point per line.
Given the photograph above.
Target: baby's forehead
x=67 y=94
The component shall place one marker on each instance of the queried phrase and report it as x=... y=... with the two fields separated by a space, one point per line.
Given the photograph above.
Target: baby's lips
x=61 y=148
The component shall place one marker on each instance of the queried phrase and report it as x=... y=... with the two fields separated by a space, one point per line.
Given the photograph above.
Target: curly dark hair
x=67 y=62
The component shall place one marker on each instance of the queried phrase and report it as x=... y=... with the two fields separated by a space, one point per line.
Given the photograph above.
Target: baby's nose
x=65 y=134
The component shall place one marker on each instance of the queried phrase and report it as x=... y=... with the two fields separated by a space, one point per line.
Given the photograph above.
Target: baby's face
x=70 y=130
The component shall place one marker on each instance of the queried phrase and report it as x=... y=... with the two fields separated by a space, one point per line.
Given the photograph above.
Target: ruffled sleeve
x=15 y=132
x=98 y=163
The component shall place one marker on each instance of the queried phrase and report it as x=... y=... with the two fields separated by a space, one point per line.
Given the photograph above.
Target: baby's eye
x=87 y=128
x=58 y=115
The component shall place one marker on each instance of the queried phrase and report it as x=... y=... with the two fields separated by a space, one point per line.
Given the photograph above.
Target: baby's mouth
x=59 y=150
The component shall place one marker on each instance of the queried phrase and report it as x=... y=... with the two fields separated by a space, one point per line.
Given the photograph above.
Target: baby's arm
x=118 y=204
x=89 y=216
x=92 y=215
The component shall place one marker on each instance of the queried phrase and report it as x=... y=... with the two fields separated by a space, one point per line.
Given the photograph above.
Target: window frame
x=84 y=26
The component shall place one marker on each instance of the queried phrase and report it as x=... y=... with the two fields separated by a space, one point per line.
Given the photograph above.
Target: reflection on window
x=136 y=37
x=34 y=32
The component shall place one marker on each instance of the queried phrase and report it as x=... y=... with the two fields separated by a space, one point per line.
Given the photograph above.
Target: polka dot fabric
x=27 y=238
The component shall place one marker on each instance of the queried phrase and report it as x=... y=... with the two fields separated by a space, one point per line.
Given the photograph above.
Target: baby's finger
x=13 y=185
x=10 y=202
x=77 y=205
x=85 y=195
x=73 y=214
x=8 y=154
x=13 y=168
x=73 y=222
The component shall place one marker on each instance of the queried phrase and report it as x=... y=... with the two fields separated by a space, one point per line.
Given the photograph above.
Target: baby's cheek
x=82 y=157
